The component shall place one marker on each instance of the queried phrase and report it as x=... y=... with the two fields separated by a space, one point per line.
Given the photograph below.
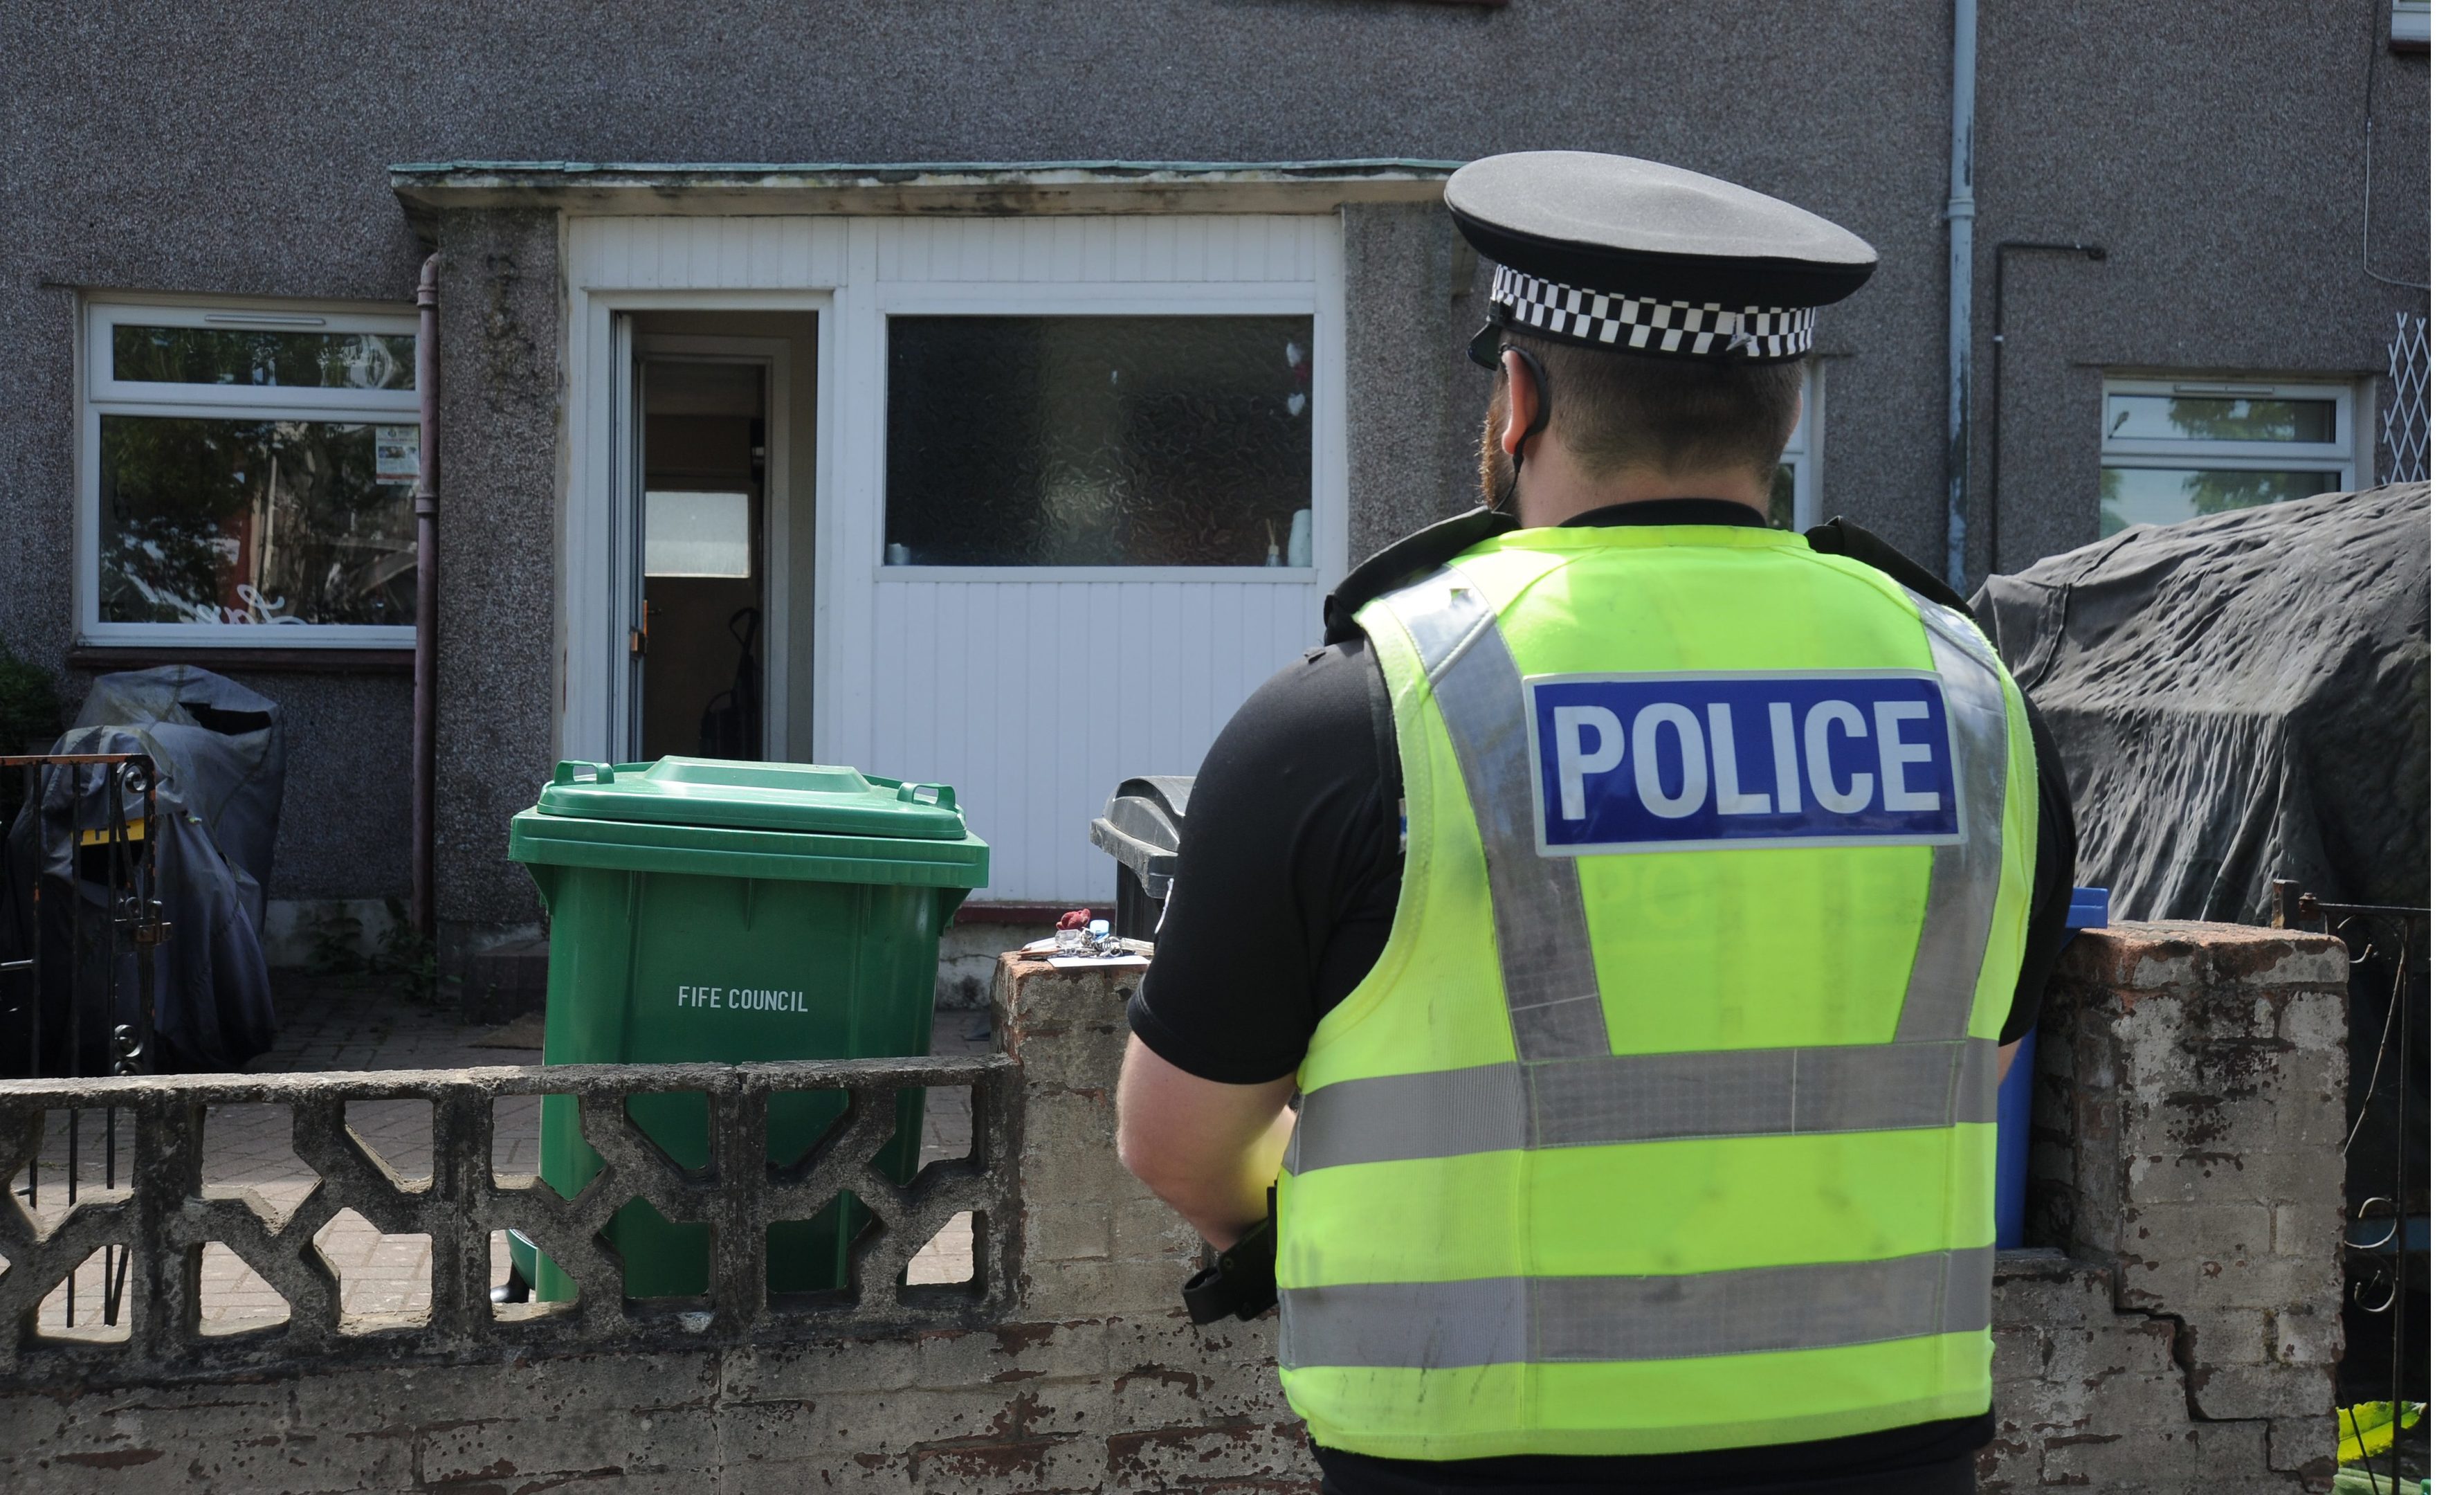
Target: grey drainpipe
x=1960 y=211
x=422 y=668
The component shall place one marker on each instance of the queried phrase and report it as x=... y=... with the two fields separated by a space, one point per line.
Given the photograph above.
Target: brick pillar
x=2187 y=1160
x=1105 y=1381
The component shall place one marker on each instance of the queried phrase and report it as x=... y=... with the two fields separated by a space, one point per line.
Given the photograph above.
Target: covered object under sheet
x=217 y=747
x=2240 y=697
x=2243 y=697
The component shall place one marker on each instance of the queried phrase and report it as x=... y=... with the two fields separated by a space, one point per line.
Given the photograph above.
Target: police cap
x=1614 y=253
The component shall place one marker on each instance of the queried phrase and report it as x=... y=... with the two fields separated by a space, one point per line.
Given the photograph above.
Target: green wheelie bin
x=703 y=908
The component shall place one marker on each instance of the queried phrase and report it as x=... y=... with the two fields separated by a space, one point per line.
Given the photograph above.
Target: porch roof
x=961 y=187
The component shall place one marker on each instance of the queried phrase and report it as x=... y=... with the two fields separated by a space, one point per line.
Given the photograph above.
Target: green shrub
x=30 y=703
x=30 y=717
x=403 y=958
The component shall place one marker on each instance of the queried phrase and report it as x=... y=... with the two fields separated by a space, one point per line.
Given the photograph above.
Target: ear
x=1523 y=402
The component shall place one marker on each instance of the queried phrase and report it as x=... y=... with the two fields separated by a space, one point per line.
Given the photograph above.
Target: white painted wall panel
x=1036 y=698
x=1036 y=694
x=707 y=253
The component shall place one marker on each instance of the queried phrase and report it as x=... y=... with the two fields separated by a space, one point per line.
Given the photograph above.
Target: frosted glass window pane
x=689 y=534
x=1098 y=441
x=2168 y=495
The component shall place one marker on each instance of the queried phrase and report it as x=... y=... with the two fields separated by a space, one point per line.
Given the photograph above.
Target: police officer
x=1629 y=900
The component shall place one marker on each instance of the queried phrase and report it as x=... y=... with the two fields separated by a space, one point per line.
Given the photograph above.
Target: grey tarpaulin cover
x=2247 y=696
x=218 y=749
x=2240 y=697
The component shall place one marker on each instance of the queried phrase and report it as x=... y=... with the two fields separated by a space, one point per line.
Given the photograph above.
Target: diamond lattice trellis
x=2404 y=420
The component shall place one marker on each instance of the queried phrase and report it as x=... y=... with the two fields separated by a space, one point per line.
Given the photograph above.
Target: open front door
x=698 y=646
x=633 y=612
x=704 y=458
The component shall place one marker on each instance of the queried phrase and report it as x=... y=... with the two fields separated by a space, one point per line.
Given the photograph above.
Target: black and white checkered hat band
x=1704 y=329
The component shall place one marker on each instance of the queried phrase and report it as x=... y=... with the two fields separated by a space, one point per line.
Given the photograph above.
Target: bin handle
x=578 y=771
x=940 y=795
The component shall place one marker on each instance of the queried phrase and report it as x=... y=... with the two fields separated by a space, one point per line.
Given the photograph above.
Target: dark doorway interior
x=703 y=459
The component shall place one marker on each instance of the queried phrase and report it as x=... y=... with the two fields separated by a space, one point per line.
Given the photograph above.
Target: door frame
x=770 y=355
x=597 y=567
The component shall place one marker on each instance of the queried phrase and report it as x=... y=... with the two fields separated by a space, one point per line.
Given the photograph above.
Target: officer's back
x=1632 y=896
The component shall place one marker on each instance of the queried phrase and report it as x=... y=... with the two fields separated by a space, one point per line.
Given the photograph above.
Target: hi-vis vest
x=1666 y=1120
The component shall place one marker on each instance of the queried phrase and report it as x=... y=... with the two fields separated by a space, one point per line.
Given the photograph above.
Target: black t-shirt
x=1290 y=867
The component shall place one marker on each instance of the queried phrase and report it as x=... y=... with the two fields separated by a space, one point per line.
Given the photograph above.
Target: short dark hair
x=1620 y=410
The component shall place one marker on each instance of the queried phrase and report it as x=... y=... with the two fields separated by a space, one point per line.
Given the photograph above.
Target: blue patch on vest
x=1676 y=762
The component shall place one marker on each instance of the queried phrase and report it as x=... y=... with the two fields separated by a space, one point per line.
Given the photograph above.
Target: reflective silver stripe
x=1518 y=1320
x=1543 y=943
x=1967 y=876
x=1647 y=1098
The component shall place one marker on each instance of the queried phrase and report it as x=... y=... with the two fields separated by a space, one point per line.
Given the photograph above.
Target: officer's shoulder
x=1404 y=561
x=1851 y=541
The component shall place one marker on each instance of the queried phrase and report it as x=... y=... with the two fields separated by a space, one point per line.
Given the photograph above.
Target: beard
x=1496 y=469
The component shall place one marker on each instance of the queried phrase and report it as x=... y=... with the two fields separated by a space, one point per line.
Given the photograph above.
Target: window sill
x=287 y=661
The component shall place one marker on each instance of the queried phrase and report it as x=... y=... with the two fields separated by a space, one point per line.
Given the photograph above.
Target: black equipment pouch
x=1241 y=1281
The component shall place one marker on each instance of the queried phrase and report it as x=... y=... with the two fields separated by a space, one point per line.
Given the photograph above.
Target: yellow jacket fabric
x=1664 y=1122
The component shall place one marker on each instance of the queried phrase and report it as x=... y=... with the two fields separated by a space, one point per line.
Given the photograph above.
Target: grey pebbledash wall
x=2215 y=150
x=2175 y=1337
x=498 y=634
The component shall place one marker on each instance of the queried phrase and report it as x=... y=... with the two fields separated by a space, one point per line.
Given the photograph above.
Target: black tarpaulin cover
x=218 y=749
x=2241 y=697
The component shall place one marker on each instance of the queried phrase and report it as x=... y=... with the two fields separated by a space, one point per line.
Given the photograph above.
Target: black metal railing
x=2386 y=1248
x=77 y=962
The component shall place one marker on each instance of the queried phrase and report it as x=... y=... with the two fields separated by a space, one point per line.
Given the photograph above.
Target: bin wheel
x=515 y=1288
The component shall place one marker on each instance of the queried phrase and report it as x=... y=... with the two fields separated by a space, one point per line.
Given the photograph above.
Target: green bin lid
x=815 y=798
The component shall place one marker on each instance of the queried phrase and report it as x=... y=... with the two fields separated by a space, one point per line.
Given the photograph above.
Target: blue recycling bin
x=2091 y=908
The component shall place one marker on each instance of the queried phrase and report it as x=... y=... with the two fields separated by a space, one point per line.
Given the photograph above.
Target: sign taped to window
x=397 y=453
x=1702 y=762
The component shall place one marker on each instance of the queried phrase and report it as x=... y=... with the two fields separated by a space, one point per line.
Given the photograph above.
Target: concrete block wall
x=2182 y=1330
x=2175 y=1335
x=1097 y=1381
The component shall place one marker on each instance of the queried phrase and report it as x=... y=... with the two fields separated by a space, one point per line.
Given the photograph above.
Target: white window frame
x=2342 y=457
x=101 y=394
x=1126 y=299
x=2409 y=23
x=1803 y=453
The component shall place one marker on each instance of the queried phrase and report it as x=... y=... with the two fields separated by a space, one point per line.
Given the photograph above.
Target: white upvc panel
x=707 y=253
x=1037 y=699
x=1036 y=691
x=1033 y=691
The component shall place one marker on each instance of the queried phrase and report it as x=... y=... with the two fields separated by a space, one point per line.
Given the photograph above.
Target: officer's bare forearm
x=1206 y=1149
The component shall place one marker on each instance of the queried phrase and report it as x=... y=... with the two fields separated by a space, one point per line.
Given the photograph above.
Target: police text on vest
x=1674 y=762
